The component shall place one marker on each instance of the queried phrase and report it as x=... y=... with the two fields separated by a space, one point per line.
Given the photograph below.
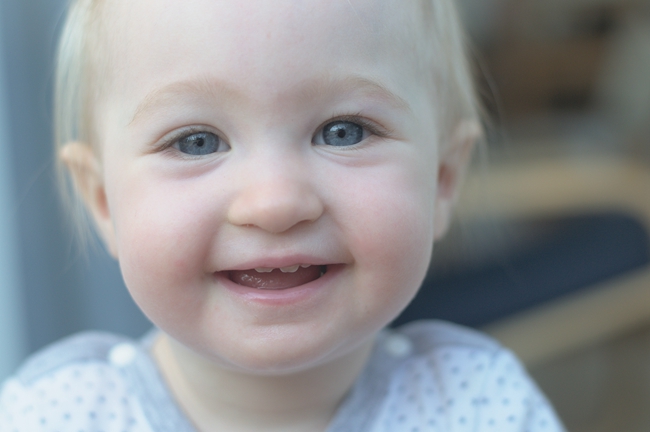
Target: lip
x=281 y=297
x=279 y=262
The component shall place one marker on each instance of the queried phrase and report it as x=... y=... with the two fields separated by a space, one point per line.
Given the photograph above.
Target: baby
x=271 y=177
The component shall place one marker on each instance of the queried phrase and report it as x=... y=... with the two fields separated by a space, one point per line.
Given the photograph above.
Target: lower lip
x=281 y=297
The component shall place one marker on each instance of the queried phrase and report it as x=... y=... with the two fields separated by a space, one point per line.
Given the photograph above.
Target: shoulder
x=431 y=335
x=73 y=383
x=77 y=350
x=462 y=379
x=449 y=357
x=450 y=350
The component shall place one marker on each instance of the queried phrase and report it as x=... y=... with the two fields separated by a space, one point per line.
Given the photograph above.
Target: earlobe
x=85 y=171
x=453 y=161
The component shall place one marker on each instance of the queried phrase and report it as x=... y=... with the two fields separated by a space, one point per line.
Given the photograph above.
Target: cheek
x=163 y=231
x=396 y=234
x=404 y=207
x=392 y=228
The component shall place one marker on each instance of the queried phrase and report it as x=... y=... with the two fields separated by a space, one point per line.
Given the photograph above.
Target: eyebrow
x=366 y=86
x=223 y=92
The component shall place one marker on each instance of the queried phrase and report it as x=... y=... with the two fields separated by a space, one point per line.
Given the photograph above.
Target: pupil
x=200 y=142
x=342 y=133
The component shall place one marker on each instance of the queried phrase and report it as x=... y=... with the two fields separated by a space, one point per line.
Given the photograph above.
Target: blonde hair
x=453 y=77
x=81 y=56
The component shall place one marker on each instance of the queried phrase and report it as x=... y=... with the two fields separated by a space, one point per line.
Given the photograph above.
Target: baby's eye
x=200 y=144
x=342 y=133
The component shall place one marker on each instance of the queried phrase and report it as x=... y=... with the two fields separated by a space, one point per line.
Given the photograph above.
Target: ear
x=85 y=171
x=452 y=164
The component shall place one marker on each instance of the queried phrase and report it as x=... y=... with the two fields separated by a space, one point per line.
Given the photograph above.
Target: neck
x=216 y=398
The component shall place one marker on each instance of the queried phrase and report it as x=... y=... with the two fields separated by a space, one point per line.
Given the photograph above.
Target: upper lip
x=278 y=262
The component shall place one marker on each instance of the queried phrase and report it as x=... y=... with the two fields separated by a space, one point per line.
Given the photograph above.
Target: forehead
x=267 y=45
x=297 y=22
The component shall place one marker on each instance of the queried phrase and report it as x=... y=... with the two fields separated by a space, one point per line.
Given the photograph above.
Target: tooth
x=305 y=265
x=264 y=270
x=291 y=269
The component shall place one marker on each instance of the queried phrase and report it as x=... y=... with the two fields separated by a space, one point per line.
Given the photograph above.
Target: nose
x=275 y=200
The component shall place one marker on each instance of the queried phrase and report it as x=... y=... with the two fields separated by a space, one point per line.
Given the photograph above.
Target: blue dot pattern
x=459 y=388
x=84 y=397
x=438 y=378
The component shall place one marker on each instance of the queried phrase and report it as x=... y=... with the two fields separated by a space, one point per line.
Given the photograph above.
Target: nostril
x=276 y=210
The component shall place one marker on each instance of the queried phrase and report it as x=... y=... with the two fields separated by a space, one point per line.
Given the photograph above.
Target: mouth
x=277 y=278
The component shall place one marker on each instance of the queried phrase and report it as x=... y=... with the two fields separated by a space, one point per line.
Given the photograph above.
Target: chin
x=280 y=356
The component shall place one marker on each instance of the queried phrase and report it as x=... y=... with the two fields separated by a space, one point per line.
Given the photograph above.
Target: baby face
x=270 y=173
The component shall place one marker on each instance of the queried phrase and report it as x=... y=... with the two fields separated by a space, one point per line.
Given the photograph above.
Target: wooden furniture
x=558 y=188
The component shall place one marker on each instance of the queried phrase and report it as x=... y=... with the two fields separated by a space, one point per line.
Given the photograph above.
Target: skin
x=265 y=77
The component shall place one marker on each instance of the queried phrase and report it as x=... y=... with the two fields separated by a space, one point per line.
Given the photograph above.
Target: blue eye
x=342 y=133
x=200 y=144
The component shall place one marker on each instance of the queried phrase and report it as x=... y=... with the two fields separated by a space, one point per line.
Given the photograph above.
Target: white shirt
x=427 y=376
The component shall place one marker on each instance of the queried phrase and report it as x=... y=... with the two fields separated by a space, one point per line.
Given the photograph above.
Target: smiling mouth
x=277 y=278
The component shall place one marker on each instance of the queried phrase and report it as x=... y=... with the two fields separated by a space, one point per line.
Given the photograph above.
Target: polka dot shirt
x=427 y=377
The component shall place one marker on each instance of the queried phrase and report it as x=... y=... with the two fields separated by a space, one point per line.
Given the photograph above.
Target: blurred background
x=551 y=252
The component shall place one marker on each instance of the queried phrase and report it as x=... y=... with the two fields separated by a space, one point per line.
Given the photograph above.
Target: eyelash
x=370 y=126
x=373 y=129
x=167 y=143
